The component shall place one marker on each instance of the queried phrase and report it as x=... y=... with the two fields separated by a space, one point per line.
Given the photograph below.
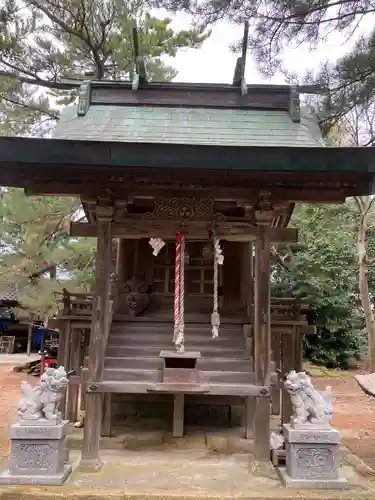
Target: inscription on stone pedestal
x=26 y=457
x=314 y=461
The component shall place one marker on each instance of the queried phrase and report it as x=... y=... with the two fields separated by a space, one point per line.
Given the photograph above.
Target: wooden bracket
x=104 y=213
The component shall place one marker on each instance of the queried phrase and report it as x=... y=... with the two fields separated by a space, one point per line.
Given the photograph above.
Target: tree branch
x=281 y=259
x=30 y=106
x=42 y=83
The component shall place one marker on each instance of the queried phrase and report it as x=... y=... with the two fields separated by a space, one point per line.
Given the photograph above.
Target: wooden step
x=190 y=318
x=222 y=364
x=140 y=352
x=128 y=375
x=226 y=377
x=206 y=377
x=165 y=340
x=169 y=324
x=168 y=335
x=156 y=330
x=154 y=362
x=136 y=375
x=147 y=363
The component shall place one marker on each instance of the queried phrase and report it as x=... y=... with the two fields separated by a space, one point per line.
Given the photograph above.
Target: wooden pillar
x=29 y=336
x=247 y=281
x=248 y=294
x=84 y=353
x=262 y=347
x=276 y=389
x=75 y=358
x=90 y=460
x=250 y=404
x=121 y=260
x=178 y=415
x=107 y=415
x=63 y=356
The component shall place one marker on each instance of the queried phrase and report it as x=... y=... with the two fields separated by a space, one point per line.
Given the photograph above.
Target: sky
x=214 y=62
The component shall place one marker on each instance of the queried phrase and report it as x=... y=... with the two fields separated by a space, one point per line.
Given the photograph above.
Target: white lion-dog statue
x=309 y=405
x=42 y=402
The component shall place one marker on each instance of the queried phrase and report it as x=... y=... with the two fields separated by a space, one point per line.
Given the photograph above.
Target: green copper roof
x=190 y=126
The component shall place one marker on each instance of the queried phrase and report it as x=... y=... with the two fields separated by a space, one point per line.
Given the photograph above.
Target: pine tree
x=48 y=45
x=35 y=247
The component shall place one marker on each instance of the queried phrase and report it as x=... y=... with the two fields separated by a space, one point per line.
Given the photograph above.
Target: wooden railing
x=75 y=304
x=80 y=304
x=113 y=296
x=288 y=309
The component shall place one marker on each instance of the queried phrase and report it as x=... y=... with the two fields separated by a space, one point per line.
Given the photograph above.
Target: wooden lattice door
x=198 y=275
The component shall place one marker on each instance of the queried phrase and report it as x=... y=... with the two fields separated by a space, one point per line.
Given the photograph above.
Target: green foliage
x=46 y=43
x=324 y=273
x=34 y=242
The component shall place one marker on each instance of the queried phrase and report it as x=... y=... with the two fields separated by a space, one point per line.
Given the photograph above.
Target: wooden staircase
x=133 y=363
x=134 y=347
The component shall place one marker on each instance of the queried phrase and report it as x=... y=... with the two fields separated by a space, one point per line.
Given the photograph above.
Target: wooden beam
x=136 y=228
x=127 y=387
x=219 y=193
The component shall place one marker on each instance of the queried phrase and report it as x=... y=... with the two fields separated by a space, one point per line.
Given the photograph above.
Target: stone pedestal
x=38 y=454
x=312 y=459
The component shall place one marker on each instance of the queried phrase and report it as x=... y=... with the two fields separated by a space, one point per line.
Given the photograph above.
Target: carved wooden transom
x=184 y=208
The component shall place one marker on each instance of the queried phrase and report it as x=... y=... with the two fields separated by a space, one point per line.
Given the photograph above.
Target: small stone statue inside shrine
x=309 y=405
x=42 y=402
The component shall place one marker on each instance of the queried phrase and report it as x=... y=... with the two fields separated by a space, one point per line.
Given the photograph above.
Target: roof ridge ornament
x=84 y=98
x=239 y=71
x=295 y=104
x=140 y=74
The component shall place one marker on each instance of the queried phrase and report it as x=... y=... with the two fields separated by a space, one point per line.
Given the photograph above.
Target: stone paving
x=181 y=474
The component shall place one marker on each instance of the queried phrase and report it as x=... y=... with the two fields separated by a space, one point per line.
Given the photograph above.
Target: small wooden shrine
x=174 y=177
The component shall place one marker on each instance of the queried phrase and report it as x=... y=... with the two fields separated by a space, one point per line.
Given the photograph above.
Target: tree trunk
x=364 y=290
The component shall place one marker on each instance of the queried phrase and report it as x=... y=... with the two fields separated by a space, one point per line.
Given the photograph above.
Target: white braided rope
x=181 y=326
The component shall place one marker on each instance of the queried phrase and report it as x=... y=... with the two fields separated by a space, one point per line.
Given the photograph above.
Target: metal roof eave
x=18 y=151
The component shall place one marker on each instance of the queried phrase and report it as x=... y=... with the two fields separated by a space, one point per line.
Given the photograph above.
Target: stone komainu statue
x=42 y=401
x=309 y=405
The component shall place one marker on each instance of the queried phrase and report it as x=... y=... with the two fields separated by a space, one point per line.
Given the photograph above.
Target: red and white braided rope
x=181 y=323
x=177 y=276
